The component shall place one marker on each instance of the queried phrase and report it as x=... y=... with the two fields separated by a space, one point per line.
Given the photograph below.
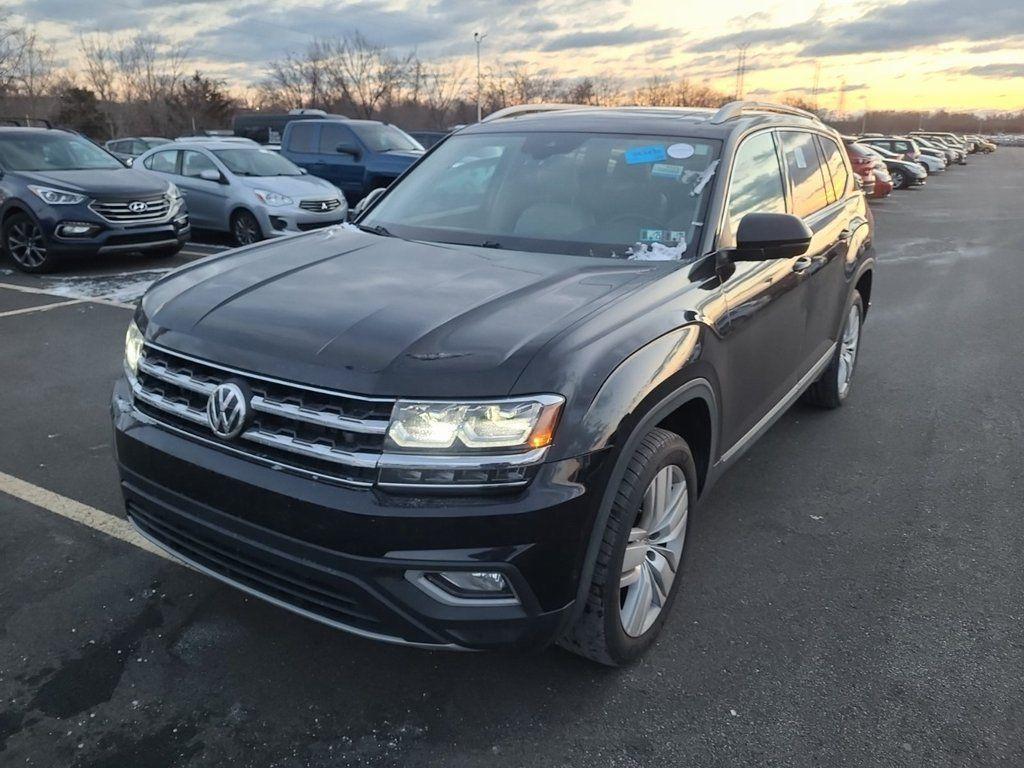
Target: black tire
x=899 y=180
x=598 y=633
x=245 y=228
x=22 y=239
x=827 y=391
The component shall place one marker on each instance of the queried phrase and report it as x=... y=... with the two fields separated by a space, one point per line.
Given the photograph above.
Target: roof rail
x=735 y=109
x=26 y=122
x=529 y=109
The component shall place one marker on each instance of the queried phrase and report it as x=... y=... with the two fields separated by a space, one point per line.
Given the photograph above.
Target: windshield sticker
x=652 y=154
x=662 y=236
x=666 y=171
x=681 y=151
x=705 y=177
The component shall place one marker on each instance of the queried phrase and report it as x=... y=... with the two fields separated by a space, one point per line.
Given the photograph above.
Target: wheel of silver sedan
x=246 y=229
x=654 y=550
x=848 y=350
x=25 y=243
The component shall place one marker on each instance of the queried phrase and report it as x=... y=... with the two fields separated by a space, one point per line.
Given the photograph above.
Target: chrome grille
x=332 y=435
x=320 y=206
x=119 y=211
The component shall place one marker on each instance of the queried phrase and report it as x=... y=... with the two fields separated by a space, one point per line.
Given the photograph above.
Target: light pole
x=479 y=106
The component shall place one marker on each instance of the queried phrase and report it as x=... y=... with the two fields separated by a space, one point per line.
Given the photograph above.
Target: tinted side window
x=118 y=146
x=836 y=165
x=303 y=137
x=804 y=172
x=331 y=135
x=193 y=163
x=756 y=184
x=163 y=162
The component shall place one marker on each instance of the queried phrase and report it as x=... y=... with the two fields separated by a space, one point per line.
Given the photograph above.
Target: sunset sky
x=958 y=54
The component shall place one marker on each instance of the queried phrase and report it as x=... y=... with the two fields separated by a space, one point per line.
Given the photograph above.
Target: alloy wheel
x=25 y=244
x=848 y=350
x=246 y=230
x=898 y=179
x=653 y=551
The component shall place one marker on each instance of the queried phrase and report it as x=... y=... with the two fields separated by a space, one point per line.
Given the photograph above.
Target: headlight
x=133 y=348
x=273 y=198
x=172 y=191
x=56 y=196
x=521 y=423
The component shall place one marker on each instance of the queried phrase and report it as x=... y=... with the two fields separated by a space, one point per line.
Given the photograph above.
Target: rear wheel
x=832 y=389
x=637 y=574
x=24 y=243
x=245 y=228
x=899 y=180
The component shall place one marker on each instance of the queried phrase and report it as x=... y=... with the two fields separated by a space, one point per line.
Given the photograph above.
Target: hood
x=349 y=310
x=120 y=182
x=296 y=187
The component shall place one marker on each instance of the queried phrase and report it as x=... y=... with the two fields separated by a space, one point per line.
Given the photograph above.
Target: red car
x=874 y=177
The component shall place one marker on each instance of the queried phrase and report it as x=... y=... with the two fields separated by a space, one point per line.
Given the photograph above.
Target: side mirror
x=128 y=162
x=348 y=149
x=763 y=236
x=303 y=172
x=371 y=197
x=211 y=175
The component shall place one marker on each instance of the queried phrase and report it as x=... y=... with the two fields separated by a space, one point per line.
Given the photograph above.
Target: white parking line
x=103 y=522
x=41 y=308
x=42 y=292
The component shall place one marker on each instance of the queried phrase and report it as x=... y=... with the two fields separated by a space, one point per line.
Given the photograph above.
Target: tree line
x=143 y=85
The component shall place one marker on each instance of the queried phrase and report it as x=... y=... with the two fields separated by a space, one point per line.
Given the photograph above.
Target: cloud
x=887 y=28
x=626 y=36
x=996 y=71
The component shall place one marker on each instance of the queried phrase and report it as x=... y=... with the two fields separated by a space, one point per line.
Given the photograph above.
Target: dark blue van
x=355 y=155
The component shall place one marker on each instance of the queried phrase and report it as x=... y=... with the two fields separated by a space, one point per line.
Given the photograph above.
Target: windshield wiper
x=375 y=229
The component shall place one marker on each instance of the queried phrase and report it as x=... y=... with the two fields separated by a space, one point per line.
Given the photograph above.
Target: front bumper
x=115 y=239
x=341 y=556
x=288 y=221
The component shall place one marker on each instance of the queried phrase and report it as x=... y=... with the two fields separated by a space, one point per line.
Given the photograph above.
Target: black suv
x=481 y=416
x=64 y=196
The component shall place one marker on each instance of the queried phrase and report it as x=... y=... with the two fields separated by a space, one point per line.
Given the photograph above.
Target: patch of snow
x=123 y=287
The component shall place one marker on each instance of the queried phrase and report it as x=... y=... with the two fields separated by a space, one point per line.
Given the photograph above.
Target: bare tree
x=12 y=52
x=37 y=74
x=442 y=89
x=368 y=73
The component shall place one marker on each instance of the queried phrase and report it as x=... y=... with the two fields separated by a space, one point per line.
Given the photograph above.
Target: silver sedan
x=247 y=190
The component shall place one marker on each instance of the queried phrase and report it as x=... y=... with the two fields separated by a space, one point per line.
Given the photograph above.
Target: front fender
x=638 y=395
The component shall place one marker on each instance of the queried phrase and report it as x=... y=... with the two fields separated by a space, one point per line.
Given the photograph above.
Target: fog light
x=474 y=581
x=465 y=587
x=75 y=228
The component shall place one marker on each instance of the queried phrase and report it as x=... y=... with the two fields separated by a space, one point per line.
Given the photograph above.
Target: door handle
x=802 y=264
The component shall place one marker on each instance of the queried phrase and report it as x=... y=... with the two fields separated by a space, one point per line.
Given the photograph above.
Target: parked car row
x=884 y=163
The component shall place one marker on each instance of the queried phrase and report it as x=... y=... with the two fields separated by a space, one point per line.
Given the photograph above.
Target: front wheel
x=832 y=389
x=24 y=242
x=899 y=181
x=637 y=574
x=245 y=228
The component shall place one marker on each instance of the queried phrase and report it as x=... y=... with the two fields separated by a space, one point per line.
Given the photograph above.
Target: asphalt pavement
x=854 y=595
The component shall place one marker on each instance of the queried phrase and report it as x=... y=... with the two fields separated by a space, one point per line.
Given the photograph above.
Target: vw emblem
x=227 y=410
x=138 y=206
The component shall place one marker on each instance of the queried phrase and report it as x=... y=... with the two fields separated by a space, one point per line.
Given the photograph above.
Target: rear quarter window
x=836 y=165
x=805 y=173
x=303 y=137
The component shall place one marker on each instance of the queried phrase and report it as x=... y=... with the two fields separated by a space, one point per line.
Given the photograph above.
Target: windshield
x=380 y=137
x=256 y=162
x=584 y=194
x=53 y=151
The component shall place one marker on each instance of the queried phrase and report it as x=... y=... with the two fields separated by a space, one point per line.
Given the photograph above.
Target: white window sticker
x=801 y=161
x=680 y=151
